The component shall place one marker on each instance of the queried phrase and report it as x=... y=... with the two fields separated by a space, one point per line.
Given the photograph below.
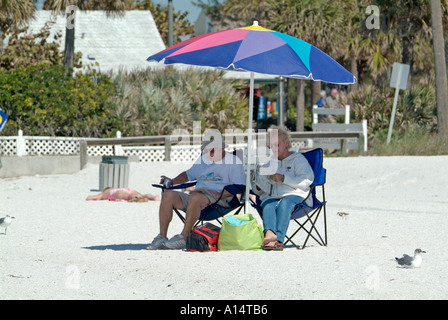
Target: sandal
x=278 y=246
x=269 y=246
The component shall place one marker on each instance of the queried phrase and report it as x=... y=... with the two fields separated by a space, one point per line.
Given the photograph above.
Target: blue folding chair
x=213 y=211
x=311 y=214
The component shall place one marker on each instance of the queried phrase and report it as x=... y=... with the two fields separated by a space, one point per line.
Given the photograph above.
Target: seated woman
x=123 y=194
x=282 y=183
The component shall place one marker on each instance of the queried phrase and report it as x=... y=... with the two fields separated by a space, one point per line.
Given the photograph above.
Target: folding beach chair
x=213 y=211
x=311 y=224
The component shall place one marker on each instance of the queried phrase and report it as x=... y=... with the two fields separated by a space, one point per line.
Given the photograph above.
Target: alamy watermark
x=73 y=280
x=71 y=16
x=261 y=140
x=373 y=20
x=373 y=277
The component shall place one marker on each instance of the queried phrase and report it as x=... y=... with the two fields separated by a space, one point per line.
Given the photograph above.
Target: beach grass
x=412 y=142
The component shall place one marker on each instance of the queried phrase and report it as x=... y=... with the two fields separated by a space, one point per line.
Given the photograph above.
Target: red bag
x=203 y=238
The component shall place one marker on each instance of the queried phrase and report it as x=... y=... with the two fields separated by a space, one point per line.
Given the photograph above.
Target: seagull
x=6 y=221
x=411 y=262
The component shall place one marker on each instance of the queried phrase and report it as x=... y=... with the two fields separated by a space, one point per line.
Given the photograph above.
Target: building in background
x=113 y=42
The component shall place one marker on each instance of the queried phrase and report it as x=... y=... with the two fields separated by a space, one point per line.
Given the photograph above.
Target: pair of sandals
x=277 y=246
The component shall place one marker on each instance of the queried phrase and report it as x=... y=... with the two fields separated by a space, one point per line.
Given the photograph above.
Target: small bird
x=6 y=221
x=343 y=214
x=411 y=262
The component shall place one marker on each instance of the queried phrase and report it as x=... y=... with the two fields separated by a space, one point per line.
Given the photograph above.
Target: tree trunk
x=440 y=68
x=407 y=55
x=69 y=50
x=315 y=92
x=300 y=105
x=354 y=71
x=446 y=51
x=1 y=42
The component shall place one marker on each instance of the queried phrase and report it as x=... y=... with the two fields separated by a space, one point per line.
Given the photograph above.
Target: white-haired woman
x=282 y=183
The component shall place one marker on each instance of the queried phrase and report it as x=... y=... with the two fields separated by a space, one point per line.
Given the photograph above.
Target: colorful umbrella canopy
x=259 y=50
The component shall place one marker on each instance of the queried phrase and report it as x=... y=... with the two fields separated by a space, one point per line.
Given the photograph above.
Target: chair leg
x=179 y=215
x=312 y=219
x=325 y=213
x=313 y=227
x=289 y=239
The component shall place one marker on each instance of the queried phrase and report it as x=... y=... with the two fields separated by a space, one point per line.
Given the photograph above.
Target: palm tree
x=313 y=21
x=235 y=13
x=14 y=12
x=440 y=68
x=406 y=20
x=247 y=11
x=181 y=25
x=112 y=7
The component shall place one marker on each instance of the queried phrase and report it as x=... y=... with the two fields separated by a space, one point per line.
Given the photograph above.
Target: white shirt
x=298 y=178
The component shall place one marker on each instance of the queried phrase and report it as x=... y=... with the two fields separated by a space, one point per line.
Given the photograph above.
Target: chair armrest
x=233 y=189
x=175 y=187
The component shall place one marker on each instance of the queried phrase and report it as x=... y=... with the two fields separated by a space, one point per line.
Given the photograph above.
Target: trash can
x=114 y=172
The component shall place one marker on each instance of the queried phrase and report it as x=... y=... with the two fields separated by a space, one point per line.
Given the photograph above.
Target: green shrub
x=40 y=100
x=157 y=102
x=416 y=111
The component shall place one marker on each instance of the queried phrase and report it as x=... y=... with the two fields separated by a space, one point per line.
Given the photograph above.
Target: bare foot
x=269 y=237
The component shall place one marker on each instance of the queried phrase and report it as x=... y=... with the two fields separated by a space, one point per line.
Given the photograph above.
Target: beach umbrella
x=3 y=118
x=256 y=49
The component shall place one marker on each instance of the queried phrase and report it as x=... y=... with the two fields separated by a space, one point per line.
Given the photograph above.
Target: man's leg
x=196 y=203
x=170 y=200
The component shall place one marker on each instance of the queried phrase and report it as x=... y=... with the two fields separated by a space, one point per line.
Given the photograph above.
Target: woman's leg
x=269 y=221
x=95 y=197
x=283 y=211
x=152 y=197
x=100 y=196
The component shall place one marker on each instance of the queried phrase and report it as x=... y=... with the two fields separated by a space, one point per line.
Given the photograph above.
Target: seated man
x=213 y=170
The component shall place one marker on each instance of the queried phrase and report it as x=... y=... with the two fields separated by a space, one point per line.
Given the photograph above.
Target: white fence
x=20 y=145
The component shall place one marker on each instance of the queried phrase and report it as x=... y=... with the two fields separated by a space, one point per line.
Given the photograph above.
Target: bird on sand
x=411 y=262
x=6 y=221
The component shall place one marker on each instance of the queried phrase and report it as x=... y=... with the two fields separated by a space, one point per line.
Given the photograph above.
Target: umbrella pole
x=249 y=141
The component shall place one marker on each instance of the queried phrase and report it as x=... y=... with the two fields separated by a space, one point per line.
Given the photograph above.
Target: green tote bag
x=240 y=232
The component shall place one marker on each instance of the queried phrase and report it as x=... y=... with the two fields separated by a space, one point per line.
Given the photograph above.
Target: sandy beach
x=60 y=246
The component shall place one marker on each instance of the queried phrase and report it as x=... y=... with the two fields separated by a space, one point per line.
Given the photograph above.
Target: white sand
x=62 y=247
